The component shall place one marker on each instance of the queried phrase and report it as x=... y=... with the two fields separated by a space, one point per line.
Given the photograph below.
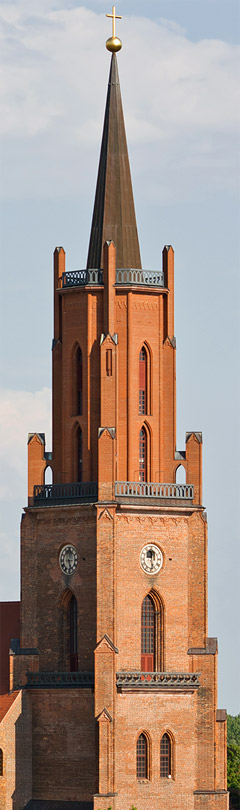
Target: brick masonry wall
x=155 y=714
x=63 y=744
x=16 y=742
x=44 y=533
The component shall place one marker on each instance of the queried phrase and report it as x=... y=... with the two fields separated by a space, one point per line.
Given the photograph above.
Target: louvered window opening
x=142 y=757
x=165 y=756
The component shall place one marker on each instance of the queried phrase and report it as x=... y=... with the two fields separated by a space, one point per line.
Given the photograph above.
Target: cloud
x=177 y=93
x=21 y=412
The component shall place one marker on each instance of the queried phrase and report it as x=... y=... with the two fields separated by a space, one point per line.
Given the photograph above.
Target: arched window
x=1 y=762
x=143 y=381
x=142 y=455
x=73 y=650
x=152 y=633
x=79 y=449
x=142 y=757
x=48 y=477
x=180 y=475
x=165 y=756
x=79 y=392
x=148 y=635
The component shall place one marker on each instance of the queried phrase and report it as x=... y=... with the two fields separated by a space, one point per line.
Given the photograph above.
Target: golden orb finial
x=113 y=44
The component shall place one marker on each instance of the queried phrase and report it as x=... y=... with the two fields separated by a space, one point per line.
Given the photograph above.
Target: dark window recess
x=1 y=762
x=109 y=362
x=73 y=634
x=142 y=764
x=143 y=381
x=165 y=756
x=142 y=455
x=79 y=402
x=148 y=635
x=79 y=455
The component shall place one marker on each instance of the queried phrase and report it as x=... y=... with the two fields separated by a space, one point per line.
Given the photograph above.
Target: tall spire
x=114 y=213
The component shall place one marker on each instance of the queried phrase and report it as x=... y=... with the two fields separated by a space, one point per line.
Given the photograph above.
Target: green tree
x=233 y=729
x=233 y=766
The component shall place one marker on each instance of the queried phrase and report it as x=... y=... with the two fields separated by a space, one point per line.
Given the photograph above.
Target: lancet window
x=143 y=381
x=152 y=633
x=142 y=757
x=79 y=391
x=165 y=756
x=142 y=455
x=148 y=635
x=79 y=444
x=73 y=649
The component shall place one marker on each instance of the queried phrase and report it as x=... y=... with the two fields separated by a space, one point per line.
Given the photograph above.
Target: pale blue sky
x=179 y=73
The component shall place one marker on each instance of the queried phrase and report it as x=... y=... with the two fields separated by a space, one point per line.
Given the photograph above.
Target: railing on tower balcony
x=140 y=489
x=124 y=276
x=60 y=680
x=157 y=680
x=146 y=278
x=53 y=494
x=80 y=278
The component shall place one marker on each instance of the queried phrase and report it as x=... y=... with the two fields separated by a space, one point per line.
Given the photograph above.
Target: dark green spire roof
x=114 y=213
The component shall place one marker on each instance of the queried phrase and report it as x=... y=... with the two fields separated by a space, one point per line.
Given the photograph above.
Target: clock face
x=151 y=559
x=68 y=559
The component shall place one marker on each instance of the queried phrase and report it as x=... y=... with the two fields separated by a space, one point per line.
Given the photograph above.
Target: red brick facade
x=82 y=732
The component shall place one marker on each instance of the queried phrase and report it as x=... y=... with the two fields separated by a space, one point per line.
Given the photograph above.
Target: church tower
x=113 y=681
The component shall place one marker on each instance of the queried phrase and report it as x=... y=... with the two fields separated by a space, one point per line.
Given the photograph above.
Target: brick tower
x=113 y=683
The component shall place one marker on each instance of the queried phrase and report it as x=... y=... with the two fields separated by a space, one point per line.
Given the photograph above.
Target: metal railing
x=146 y=278
x=51 y=494
x=60 y=680
x=140 y=489
x=156 y=680
x=143 y=277
x=79 y=278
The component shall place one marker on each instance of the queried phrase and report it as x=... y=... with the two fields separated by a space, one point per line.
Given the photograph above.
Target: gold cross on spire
x=114 y=17
x=113 y=43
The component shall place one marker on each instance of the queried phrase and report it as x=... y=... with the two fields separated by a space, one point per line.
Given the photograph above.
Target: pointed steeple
x=114 y=213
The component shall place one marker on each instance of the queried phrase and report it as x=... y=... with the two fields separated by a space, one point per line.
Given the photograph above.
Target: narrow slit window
x=109 y=362
x=1 y=762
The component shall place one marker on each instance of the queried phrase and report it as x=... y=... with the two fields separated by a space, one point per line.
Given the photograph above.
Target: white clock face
x=68 y=559
x=151 y=559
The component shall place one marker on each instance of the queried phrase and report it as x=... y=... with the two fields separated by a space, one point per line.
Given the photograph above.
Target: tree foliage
x=233 y=760
x=233 y=729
